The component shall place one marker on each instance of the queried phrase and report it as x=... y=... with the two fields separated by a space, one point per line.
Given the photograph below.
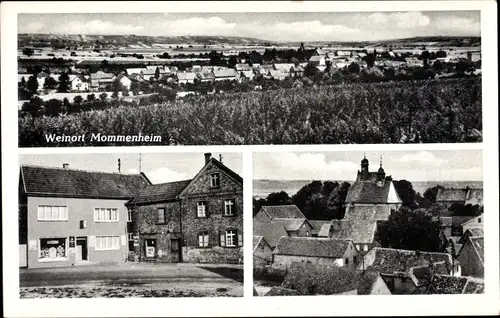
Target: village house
x=196 y=220
x=124 y=81
x=132 y=71
x=99 y=80
x=361 y=232
x=297 y=71
x=79 y=83
x=225 y=74
x=262 y=252
x=372 y=196
x=205 y=76
x=242 y=67
x=148 y=74
x=389 y=261
x=271 y=232
x=414 y=62
x=71 y=217
x=186 y=77
x=317 y=225
x=294 y=227
x=318 y=60
x=475 y=222
x=316 y=251
x=267 y=213
x=445 y=198
x=471 y=256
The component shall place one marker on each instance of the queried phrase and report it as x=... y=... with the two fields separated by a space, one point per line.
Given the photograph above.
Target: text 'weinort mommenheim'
x=102 y=138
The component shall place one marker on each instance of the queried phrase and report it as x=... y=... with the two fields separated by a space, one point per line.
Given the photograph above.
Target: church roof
x=372 y=212
x=371 y=192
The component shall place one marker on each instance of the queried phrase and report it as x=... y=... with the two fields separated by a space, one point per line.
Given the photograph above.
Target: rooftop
x=160 y=192
x=316 y=247
x=271 y=232
x=283 y=211
x=289 y=224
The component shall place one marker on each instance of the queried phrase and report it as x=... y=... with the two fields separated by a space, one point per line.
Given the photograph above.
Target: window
x=231 y=238
x=215 y=180
x=129 y=216
x=479 y=220
x=354 y=259
x=229 y=207
x=365 y=247
x=52 y=249
x=357 y=246
x=201 y=209
x=160 y=216
x=105 y=215
x=130 y=236
x=104 y=243
x=52 y=213
x=347 y=261
x=203 y=239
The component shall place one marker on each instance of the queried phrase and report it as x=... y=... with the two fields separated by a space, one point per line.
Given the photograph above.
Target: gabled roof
x=316 y=58
x=447 y=221
x=370 y=192
x=224 y=72
x=447 y=284
x=474 y=196
x=280 y=291
x=373 y=212
x=284 y=66
x=290 y=224
x=186 y=76
x=478 y=244
x=457 y=221
x=59 y=182
x=283 y=211
x=388 y=260
x=446 y=195
x=317 y=224
x=242 y=67
x=160 y=192
x=472 y=220
x=475 y=231
x=256 y=241
x=315 y=247
x=233 y=175
x=271 y=232
x=359 y=231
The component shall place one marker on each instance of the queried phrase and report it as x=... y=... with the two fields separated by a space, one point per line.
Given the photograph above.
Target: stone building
x=196 y=220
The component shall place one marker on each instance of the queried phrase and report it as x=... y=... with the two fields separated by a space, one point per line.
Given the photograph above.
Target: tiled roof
x=324 y=231
x=242 y=67
x=457 y=221
x=317 y=224
x=476 y=231
x=316 y=247
x=271 y=232
x=280 y=291
x=474 y=286
x=160 y=192
x=289 y=224
x=359 y=231
x=388 y=260
x=316 y=58
x=478 y=243
x=206 y=75
x=474 y=196
x=446 y=221
x=327 y=279
x=186 y=76
x=368 y=192
x=283 y=211
x=58 y=182
x=256 y=241
x=372 y=212
x=446 y=195
x=447 y=284
x=283 y=66
x=224 y=72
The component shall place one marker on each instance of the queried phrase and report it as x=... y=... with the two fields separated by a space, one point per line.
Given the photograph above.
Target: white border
x=248 y=305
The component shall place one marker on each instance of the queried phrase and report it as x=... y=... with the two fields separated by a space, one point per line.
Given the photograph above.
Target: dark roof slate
x=315 y=247
x=368 y=192
x=283 y=211
x=160 y=192
x=446 y=195
x=271 y=232
x=59 y=182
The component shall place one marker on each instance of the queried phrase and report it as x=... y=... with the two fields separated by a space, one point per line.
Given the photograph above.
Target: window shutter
x=222 y=238
x=240 y=239
x=206 y=209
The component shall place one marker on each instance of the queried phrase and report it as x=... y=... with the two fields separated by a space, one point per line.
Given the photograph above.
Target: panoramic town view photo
x=374 y=223
x=131 y=225
x=249 y=78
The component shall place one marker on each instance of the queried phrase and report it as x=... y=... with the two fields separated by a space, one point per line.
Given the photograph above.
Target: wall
x=470 y=263
x=78 y=209
x=146 y=226
x=215 y=223
x=304 y=230
x=473 y=223
x=284 y=262
x=352 y=255
x=379 y=287
x=23 y=260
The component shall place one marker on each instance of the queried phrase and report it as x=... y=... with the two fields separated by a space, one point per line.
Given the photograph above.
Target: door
x=175 y=250
x=81 y=249
x=150 y=248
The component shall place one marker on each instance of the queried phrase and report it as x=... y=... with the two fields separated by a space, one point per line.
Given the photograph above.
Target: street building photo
x=373 y=223
x=244 y=78
x=131 y=225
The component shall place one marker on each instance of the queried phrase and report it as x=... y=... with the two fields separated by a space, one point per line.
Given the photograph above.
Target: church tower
x=380 y=174
x=364 y=174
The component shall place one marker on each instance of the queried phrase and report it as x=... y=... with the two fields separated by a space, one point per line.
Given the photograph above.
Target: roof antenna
x=119 y=165
x=364 y=155
x=380 y=161
x=220 y=158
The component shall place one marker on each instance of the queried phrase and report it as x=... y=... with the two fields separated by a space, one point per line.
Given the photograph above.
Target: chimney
x=65 y=165
x=208 y=155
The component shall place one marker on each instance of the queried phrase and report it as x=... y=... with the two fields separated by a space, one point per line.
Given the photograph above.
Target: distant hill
x=80 y=39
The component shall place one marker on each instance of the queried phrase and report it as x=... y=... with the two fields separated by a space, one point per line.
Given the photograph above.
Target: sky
x=286 y=26
x=450 y=165
x=159 y=168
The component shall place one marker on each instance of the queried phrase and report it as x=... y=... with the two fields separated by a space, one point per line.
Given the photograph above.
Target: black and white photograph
x=374 y=223
x=243 y=78
x=131 y=225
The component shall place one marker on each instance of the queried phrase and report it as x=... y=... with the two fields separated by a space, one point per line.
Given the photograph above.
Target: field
x=429 y=111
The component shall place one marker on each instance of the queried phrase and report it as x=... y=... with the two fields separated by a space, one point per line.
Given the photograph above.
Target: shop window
x=52 y=249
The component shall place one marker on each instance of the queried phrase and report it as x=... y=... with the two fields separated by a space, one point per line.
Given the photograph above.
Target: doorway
x=82 y=253
x=150 y=245
x=175 y=250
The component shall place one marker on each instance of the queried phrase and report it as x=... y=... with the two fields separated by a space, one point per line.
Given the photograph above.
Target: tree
x=278 y=198
x=157 y=73
x=310 y=70
x=336 y=200
x=53 y=107
x=63 y=83
x=459 y=209
x=32 y=84
x=406 y=192
x=23 y=82
x=28 y=51
x=78 y=99
x=354 y=68
x=431 y=193
x=91 y=97
x=257 y=204
x=370 y=59
x=411 y=230
x=233 y=60
x=50 y=83
x=103 y=97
